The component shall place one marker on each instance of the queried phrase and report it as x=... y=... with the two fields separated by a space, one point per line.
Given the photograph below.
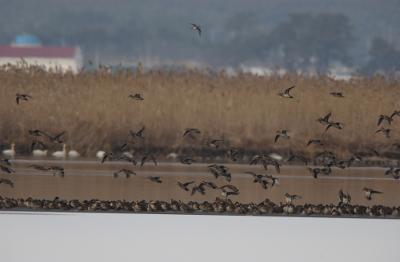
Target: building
x=28 y=49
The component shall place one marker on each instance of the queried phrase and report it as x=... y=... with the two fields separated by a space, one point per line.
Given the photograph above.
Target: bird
x=148 y=157
x=281 y=133
x=293 y=156
x=336 y=125
x=265 y=160
x=337 y=94
x=386 y=118
x=228 y=190
x=6 y=182
x=7 y=169
x=23 y=97
x=62 y=153
x=325 y=119
x=200 y=188
x=220 y=170
x=187 y=160
x=315 y=141
x=100 y=154
x=155 y=179
x=395 y=113
x=36 y=143
x=286 y=93
x=344 y=198
x=137 y=96
x=315 y=171
x=9 y=152
x=233 y=154
x=125 y=172
x=106 y=156
x=73 y=153
x=289 y=198
x=191 y=132
x=209 y=184
x=36 y=132
x=261 y=179
x=216 y=143
x=369 y=192
x=55 y=139
x=385 y=131
x=185 y=185
x=275 y=180
x=57 y=170
x=137 y=134
x=196 y=28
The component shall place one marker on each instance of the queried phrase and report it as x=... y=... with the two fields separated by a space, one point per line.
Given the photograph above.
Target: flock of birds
x=219 y=206
x=324 y=163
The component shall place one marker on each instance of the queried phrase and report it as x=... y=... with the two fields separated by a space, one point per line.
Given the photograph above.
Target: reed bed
x=245 y=110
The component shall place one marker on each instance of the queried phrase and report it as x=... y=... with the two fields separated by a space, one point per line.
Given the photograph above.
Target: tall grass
x=95 y=110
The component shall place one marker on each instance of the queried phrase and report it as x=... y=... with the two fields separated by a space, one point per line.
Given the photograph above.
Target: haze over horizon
x=314 y=34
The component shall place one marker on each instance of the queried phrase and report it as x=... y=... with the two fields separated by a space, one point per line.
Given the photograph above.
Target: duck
x=61 y=154
x=196 y=27
x=286 y=93
x=10 y=152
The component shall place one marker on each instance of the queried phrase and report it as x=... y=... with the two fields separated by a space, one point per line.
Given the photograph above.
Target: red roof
x=37 y=51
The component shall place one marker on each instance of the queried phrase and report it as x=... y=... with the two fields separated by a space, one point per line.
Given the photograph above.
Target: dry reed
x=95 y=110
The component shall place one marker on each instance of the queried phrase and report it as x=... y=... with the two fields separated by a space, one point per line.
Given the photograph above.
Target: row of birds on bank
x=219 y=206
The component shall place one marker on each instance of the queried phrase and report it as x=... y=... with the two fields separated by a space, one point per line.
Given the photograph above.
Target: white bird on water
x=61 y=154
x=39 y=153
x=73 y=154
x=9 y=152
x=100 y=154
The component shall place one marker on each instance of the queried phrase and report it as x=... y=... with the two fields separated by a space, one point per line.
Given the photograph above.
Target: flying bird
x=344 y=198
x=315 y=142
x=184 y=186
x=128 y=173
x=325 y=120
x=281 y=133
x=137 y=134
x=386 y=118
x=155 y=179
x=369 y=192
x=290 y=198
x=191 y=132
x=337 y=94
x=196 y=28
x=286 y=93
x=385 y=131
x=138 y=97
x=23 y=97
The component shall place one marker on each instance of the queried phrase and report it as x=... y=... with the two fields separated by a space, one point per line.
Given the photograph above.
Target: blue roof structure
x=26 y=39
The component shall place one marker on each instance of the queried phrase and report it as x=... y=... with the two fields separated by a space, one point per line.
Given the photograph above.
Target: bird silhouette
x=196 y=28
x=286 y=93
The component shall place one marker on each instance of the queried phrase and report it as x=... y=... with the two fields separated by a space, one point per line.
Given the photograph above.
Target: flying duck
x=23 y=97
x=286 y=93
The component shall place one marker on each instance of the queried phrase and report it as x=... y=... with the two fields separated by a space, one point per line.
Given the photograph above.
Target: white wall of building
x=63 y=64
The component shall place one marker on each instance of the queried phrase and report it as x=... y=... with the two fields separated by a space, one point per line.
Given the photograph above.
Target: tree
x=312 y=41
x=383 y=57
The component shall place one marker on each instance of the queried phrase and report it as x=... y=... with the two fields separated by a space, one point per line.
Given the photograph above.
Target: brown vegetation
x=95 y=110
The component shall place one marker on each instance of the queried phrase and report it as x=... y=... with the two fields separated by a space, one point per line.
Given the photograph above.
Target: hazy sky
x=234 y=31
